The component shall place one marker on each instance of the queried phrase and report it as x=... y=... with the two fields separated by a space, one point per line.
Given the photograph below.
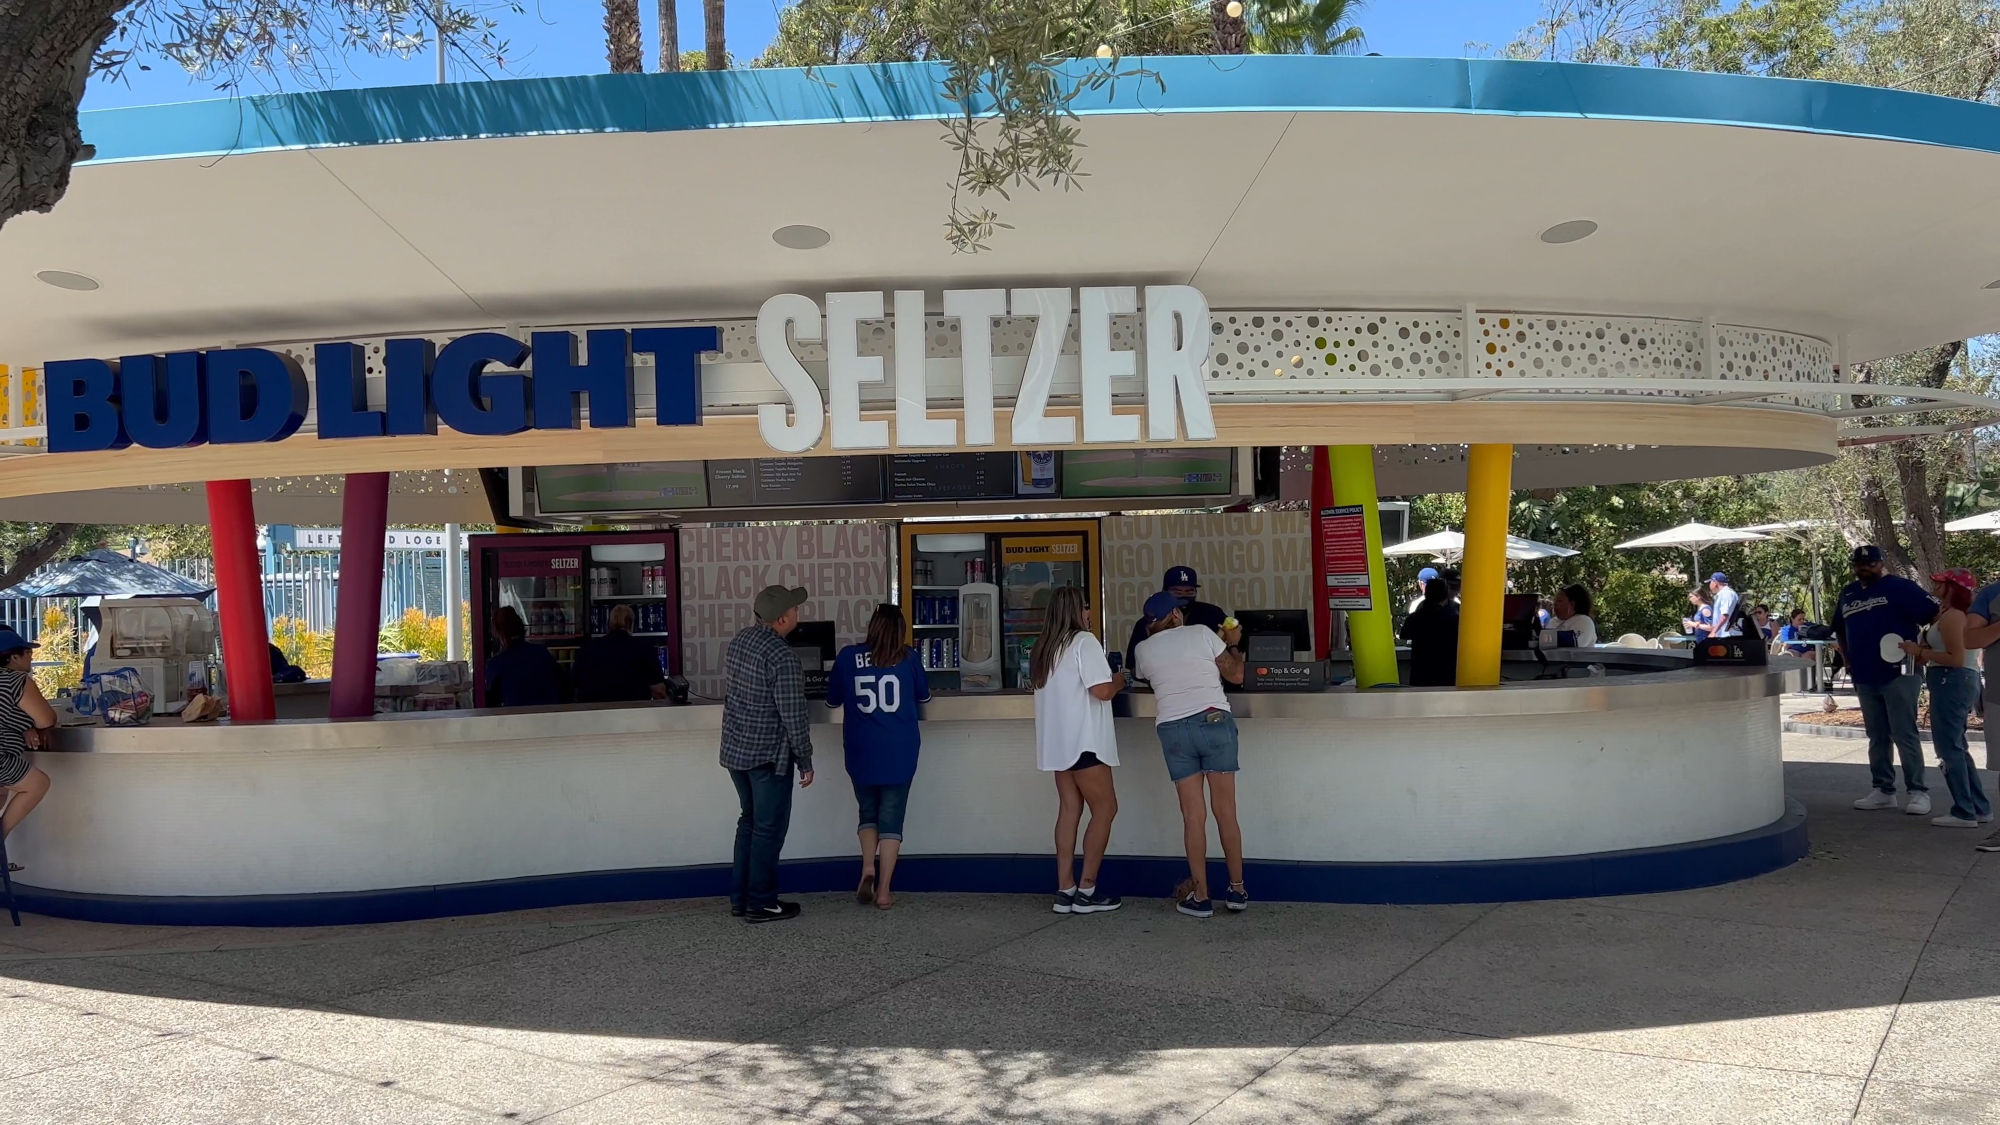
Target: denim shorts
x=882 y=808
x=1204 y=743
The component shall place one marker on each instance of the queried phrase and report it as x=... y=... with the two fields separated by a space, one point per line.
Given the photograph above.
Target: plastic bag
x=119 y=697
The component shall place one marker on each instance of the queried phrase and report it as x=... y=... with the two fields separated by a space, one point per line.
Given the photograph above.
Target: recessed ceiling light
x=1576 y=230
x=799 y=237
x=63 y=279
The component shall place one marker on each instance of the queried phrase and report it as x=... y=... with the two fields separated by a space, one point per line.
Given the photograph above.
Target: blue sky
x=558 y=37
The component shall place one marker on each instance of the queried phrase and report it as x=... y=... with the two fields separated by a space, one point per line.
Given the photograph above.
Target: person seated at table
x=283 y=671
x=1795 y=631
x=521 y=674
x=25 y=721
x=1432 y=634
x=619 y=667
x=1701 y=622
x=1761 y=617
x=1572 y=615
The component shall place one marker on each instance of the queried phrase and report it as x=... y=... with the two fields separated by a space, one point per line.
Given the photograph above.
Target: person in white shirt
x=1074 y=740
x=1726 y=624
x=1186 y=666
x=1572 y=615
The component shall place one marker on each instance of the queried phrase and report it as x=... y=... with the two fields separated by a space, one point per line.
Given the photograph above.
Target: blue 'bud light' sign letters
x=474 y=384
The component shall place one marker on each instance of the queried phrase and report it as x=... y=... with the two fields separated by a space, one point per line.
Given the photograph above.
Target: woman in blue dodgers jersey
x=879 y=684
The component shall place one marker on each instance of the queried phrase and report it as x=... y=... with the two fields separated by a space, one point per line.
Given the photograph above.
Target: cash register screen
x=813 y=641
x=1275 y=634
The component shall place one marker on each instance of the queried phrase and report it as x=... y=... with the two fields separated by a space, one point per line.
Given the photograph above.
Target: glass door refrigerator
x=564 y=586
x=977 y=594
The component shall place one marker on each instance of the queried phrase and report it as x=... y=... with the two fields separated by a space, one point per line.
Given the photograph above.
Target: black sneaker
x=1096 y=902
x=1235 y=898
x=1195 y=907
x=1065 y=902
x=781 y=912
x=1989 y=844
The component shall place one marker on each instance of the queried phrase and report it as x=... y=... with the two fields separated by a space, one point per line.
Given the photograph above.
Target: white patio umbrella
x=1984 y=521
x=1693 y=537
x=1449 y=547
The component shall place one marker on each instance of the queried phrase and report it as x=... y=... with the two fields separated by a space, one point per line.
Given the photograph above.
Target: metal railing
x=303 y=586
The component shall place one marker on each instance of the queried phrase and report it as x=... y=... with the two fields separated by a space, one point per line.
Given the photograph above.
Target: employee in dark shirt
x=1182 y=583
x=619 y=667
x=1431 y=631
x=520 y=674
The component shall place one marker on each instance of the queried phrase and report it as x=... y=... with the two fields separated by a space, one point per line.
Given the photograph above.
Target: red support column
x=1322 y=499
x=357 y=628
x=239 y=594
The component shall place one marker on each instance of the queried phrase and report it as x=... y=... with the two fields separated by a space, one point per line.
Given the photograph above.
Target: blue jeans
x=882 y=808
x=1954 y=692
x=766 y=798
x=1203 y=743
x=1889 y=711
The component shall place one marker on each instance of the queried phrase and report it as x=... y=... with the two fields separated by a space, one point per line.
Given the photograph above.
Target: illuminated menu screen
x=952 y=476
x=772 y=482
x=1139 y=473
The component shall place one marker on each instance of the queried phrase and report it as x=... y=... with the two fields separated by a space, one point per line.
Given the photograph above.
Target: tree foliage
x=50 y=50
x=1892 y=493
x=1305 y=27
x=1016 y=67
x=274 y=43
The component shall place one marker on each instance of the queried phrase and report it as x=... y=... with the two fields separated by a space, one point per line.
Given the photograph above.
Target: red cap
x=1957 y=576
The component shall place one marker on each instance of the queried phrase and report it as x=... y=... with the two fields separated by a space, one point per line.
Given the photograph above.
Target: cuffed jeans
x=766 y=798
x=1954 y=691
x=1890 y=713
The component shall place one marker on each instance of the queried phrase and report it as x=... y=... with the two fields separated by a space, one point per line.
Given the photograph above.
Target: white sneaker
x=1876 y=799
x=1920 y=804
x=1950 y=821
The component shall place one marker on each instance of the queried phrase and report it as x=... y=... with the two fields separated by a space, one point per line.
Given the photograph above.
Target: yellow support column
x=1371 y=634
x=1489 y=483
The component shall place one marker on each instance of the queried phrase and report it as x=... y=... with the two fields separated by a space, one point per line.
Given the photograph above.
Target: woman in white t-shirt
x=1075 y=741
x=1573 y=606
x=1186 y=665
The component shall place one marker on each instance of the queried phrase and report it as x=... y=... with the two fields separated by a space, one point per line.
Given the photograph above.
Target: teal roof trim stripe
x=910 y=91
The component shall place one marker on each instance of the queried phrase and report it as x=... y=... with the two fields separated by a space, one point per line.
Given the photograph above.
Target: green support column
x=1371 y=633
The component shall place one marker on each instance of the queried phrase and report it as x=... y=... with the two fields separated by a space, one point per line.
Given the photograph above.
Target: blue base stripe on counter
x=1675 y=867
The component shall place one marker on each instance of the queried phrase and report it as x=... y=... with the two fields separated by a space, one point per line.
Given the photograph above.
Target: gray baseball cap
x=773 y=601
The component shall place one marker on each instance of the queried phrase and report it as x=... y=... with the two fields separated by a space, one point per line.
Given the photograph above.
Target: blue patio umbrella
x=106 y=574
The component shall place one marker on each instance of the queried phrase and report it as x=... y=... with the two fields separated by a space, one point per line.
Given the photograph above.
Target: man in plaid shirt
x=764 y=733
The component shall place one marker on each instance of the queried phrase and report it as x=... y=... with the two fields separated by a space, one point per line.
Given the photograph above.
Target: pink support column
x=239 y=596
x=357 y=628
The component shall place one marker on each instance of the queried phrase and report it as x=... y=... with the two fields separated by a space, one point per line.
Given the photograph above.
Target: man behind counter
x=619 y=667
x=1182 y=583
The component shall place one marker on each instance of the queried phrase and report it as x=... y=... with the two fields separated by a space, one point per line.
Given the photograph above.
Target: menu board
x=772 y=482
x=632 y=486
x=1111 y=474
x=952 y=476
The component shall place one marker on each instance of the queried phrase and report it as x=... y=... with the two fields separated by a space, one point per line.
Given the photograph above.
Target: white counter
x=1433 y=783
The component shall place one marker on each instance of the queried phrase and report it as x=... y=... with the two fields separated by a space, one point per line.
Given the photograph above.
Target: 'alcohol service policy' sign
x=493 y=384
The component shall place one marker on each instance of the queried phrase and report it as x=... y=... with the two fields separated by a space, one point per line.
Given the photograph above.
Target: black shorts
x=1083 y=763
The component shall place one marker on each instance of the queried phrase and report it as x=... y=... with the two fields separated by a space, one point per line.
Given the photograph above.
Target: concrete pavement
x=1859 y=984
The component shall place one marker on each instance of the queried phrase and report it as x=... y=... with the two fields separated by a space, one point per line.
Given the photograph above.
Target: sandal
x=865 y=893
x=13 y=868
x=885 y=903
